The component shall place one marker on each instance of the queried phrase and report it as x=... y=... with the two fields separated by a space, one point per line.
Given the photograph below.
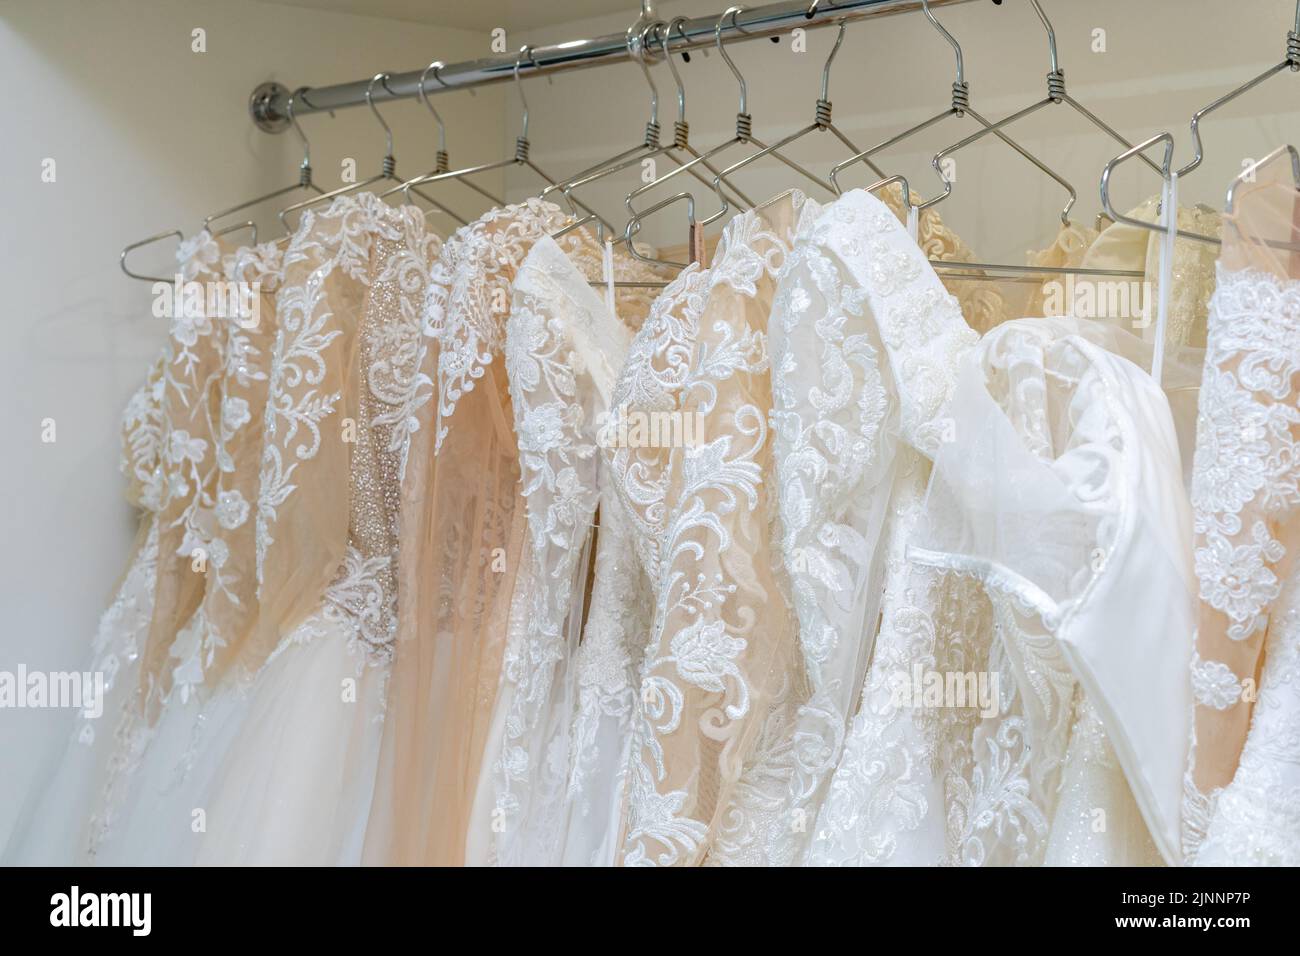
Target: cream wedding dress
x=1243 y=781
x=262 y=737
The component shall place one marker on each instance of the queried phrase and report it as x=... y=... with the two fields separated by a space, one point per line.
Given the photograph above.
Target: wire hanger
x=821 y=123
x=1248 y=175
x=521 y=155
x=1166 y=173
x=1056 y=94
x=443 y=161
x=1292 y=63
x=960 y=107
x=158 y=237
x=692 y=166
x=180 y=237
x=388 y=168
x=304 y=169
x=744 y=135
x=636 y=42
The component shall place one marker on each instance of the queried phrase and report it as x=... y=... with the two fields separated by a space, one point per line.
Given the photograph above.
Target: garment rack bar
x=269 y=102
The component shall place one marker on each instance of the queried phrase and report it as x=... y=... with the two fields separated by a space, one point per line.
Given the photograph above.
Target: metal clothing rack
x=269 y=103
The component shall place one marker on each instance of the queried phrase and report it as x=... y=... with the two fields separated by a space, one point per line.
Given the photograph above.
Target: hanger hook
x=677 y=23
x=435 y=66
x=527 y=51
x=1051 y=36
x=717 y=39
x=826 y=70
x=956 y=47
x=636 y=47
x=293 y=121
x=370 y=88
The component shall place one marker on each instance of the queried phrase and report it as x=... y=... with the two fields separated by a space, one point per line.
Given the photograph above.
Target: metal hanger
x=1292 y=63
x=637 y=41
x=1056 y=93
x=158 y=237
x=821 y=123
x=304 y=169
x=388 y=168
x=443 y=161
x=692 y=166
x=744 y=135
x=521 y=156
x=1165 y=169
x=960 y=107
x=180 y=237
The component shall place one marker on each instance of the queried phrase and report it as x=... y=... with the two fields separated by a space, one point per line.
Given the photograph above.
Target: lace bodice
x=346 y=310
x=562 y=347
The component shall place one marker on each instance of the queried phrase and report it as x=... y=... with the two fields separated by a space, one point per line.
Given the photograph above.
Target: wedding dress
x=1243 y=780
x=563 y=348
x=829 y=453
x=55 y=825
x=1074 y=521
x=921 y=787
x=464 y=537
x=275 y=762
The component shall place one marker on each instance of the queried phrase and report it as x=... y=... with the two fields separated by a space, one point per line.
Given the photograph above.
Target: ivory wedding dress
x=464 y=535
x=1243 y=781
x=938 y=783
x=563 y=348
x=55 y=826
x=275 y=762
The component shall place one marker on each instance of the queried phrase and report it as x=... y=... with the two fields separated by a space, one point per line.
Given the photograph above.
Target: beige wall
x=146 y=136
x=1164 y=59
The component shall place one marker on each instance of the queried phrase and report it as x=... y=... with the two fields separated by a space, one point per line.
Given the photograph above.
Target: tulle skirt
x=275 y=770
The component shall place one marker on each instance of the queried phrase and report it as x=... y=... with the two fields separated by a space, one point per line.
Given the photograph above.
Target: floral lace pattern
x=1245 y=491
x=557 y=359
x=469 y=296
x=708 y=661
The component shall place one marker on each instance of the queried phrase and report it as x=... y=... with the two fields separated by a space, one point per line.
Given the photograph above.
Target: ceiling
x=473 y=14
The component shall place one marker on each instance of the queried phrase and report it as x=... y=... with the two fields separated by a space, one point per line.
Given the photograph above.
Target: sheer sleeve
x=191 y=410
x=721 y=654
x=1245 y=478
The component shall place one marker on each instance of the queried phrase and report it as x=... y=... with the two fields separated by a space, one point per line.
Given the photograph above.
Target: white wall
x=146 y=135
x=1164 y=59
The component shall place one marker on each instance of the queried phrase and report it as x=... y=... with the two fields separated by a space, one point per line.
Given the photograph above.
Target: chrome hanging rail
x=269 y=104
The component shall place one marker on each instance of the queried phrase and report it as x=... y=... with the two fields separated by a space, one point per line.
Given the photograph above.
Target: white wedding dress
x=1243 y=783
x=275 y=763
